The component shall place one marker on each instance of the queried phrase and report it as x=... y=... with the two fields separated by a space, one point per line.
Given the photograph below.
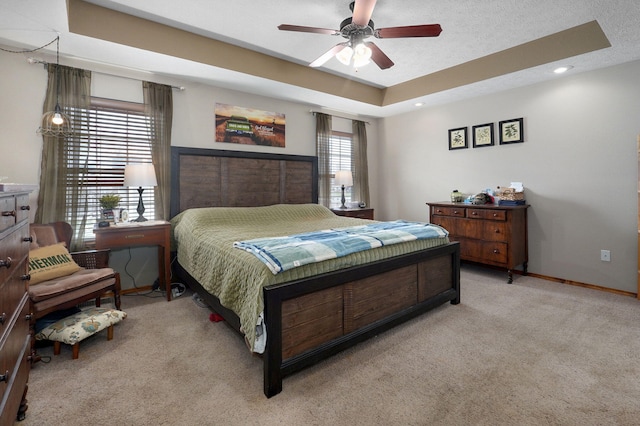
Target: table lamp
x=140 y=175
x=344 y=178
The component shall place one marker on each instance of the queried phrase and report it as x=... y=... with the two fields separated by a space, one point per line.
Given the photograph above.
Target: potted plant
x=109 y=202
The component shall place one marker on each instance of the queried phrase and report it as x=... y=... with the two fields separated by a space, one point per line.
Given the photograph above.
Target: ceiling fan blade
x=362 y=11
x=328 y=55
x=432 y=30
x=299 y=28
x=378 y=56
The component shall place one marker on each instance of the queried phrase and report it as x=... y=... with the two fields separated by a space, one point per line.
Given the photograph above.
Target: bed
x=309 y=312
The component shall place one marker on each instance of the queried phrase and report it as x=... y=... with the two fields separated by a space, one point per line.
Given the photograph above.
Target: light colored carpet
x=531 y=353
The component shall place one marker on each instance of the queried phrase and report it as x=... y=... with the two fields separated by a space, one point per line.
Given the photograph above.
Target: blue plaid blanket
x=283 y=253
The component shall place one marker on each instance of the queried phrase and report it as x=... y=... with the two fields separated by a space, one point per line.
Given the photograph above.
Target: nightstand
x=365 y=213
x=150 y=233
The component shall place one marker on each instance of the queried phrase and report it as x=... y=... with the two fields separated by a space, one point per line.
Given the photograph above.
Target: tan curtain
x=361 y=169
x=64 y=159
x=323 y=141
x=158 y=104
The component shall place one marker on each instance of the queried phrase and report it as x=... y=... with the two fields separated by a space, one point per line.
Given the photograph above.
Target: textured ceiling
x=472 y=29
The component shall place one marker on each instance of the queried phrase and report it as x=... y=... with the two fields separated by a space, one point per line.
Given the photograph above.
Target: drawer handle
x=5 y=263
x=9 y=213
x=25 y=207
x=474 y=213
x=438 y=211
x=455 y=212
x=497 y=231
x=496 y=251
x=134 y=236
x=3 y=318
x=28 y=317
x=4 y=377
x=495 y=215
x=28 y=239
x=26 y=277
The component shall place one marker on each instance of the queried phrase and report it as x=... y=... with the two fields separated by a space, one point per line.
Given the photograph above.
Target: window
x=114 y=133
x=341 y=158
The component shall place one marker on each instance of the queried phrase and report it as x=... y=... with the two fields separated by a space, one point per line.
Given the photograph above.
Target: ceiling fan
x=356 y=29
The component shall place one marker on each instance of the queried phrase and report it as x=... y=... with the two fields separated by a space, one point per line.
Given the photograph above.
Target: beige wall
x=23 y=86
x=578 y=164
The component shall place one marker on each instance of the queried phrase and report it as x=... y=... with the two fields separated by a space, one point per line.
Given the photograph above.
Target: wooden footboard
x=312 y=319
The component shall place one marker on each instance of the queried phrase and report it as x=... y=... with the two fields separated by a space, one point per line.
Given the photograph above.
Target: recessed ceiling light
x=562 y=69
x=419 y=104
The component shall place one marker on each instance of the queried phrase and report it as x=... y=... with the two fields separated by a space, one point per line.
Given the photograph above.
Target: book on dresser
x=488 y=234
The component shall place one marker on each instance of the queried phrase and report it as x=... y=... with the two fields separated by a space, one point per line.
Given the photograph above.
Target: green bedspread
x=204 y=240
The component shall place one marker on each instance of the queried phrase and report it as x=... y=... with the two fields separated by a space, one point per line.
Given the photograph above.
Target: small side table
x=366 y=213
x=150 y=233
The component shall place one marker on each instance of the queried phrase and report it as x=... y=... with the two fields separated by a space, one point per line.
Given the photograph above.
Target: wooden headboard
x=218 y=178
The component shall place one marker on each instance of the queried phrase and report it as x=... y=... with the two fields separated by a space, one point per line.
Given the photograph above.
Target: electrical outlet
x=605 y=255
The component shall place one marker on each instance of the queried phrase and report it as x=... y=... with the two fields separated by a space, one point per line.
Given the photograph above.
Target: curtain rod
x=339 y=116
x=40 y=61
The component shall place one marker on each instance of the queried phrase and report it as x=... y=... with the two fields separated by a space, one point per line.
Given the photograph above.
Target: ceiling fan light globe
x=362 y=50
x=361 y=56
x=344 y=55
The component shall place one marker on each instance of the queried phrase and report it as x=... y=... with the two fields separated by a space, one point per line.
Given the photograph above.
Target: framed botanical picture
x=511 y=131
x=458 y=138
x=482 y=135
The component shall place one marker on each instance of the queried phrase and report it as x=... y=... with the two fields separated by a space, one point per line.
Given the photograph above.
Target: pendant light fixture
x=56 y=123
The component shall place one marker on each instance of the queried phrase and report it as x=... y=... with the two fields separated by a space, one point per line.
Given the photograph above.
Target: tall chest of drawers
x=15 y=339
x=489 y=234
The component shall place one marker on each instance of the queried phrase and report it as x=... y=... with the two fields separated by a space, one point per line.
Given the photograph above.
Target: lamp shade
x=344 y=55
x=361 y=55
x=344 y=177
x=140 y=175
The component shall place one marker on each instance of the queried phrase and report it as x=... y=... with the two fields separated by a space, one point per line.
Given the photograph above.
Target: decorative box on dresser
x=489 y=234
x=15 y=338
x=361 y=213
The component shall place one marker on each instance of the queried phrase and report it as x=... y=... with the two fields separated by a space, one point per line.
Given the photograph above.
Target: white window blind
x=116 y=133
x=341 y=158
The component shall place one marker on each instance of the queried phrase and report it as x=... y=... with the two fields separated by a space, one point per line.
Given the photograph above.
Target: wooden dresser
x=489 y=234
x=15 y=339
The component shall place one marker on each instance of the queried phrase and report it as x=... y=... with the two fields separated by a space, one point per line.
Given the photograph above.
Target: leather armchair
x=93 y=280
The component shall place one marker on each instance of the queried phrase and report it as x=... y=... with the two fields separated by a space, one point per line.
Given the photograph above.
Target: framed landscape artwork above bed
x=249 y=126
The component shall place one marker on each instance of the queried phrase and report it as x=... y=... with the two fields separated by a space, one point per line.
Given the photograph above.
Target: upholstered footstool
x=77 y=327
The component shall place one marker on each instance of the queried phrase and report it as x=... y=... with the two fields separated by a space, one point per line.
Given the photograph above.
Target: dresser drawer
x=447 y=222
x=493 y=253
x=494 y=231
x=12 y=289
x=22 y=207
x=14 y=252
x=449 y=211
x=486 y=214
x=7 y=212
x=14 y=351
x=458 y=227
x=115 y=236
x=364 y=213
